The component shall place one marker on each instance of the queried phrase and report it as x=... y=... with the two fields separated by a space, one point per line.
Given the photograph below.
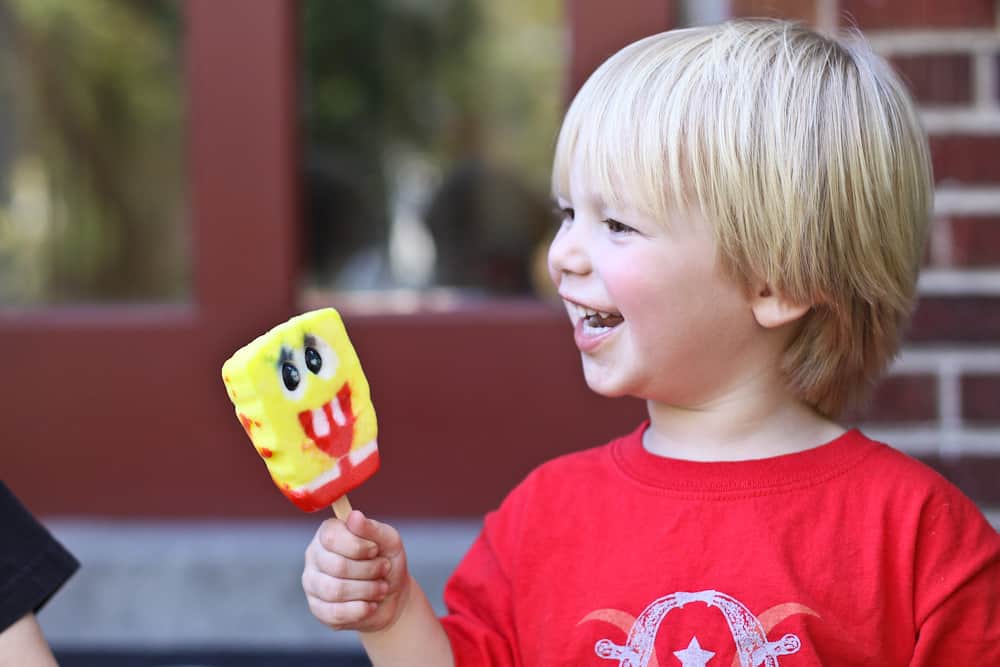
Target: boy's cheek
x=550 y=266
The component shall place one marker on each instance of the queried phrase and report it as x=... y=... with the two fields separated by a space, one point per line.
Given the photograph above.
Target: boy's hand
x=355 y=576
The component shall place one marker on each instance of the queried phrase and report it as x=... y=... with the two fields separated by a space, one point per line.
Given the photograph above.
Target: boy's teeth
x=590 y=312
x=593 y=318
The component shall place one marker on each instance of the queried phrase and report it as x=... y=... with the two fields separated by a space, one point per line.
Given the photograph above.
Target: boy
x=744 y=213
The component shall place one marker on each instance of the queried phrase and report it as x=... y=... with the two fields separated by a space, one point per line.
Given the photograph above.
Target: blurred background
x=176 y=176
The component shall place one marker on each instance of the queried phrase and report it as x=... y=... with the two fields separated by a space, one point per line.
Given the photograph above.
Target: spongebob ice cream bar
x=302 y=398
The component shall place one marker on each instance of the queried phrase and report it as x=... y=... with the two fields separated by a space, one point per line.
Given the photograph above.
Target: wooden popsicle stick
x=342 y=507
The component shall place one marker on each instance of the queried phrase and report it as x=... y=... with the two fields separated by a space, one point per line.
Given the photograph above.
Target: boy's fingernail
x=387 y=566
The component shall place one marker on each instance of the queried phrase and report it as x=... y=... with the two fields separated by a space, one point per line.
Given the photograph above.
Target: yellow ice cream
x=303 y=399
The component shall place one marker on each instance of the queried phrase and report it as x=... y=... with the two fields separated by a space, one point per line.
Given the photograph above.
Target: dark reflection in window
x=429 y=129
x=91 y=195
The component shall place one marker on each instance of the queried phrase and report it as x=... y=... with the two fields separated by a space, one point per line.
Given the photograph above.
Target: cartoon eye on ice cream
x=303 y=399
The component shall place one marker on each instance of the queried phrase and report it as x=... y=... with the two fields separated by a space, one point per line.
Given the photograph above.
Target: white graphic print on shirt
x=752 y=646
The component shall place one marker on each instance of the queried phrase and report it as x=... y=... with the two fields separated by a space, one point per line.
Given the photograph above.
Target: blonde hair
x=806 y=155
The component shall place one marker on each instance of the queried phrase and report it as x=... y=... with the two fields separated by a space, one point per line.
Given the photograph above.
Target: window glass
x=91 y=180
x=429 y=127
x=702 y=12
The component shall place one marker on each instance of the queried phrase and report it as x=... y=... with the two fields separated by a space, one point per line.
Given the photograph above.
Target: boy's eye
x=618 y=227
x=563 y=213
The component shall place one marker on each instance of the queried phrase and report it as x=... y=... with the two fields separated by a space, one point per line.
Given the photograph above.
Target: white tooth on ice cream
x=359 y=454
x=321 y=425
x=338 y=413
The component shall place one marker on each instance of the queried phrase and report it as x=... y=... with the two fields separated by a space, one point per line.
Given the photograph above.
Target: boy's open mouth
x=594 y=322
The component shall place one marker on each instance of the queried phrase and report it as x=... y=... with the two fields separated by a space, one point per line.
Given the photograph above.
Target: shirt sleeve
x=33 y=565
x=958 y=585
x=479 y=595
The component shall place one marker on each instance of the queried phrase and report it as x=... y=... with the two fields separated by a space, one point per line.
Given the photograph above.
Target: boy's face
x=670 y=325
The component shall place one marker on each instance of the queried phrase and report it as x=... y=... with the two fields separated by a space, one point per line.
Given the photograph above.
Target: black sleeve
x=33 y=565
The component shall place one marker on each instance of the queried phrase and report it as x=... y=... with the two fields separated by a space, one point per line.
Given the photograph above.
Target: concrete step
x=166 y=584
x=218 y=585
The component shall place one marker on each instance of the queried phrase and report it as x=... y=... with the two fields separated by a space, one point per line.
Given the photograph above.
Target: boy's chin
x=604 y=384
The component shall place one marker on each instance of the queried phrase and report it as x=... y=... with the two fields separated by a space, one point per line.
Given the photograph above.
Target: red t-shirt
x=847 y=554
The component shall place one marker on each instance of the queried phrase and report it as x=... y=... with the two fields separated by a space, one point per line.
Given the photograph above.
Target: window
x=429 y=128
x=91 y=175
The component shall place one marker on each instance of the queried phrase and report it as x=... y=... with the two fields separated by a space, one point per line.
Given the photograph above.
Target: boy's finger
x=336 y=565
x=334 y=536
x=341 y=614
x=382 y=534
x=329 y=589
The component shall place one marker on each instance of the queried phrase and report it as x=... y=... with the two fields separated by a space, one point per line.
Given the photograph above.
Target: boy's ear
x=771 y=309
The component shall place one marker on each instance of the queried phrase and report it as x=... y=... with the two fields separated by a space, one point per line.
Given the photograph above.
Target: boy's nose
x=568 y=251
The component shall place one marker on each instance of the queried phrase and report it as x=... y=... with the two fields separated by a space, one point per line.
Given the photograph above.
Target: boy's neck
x=737 y=428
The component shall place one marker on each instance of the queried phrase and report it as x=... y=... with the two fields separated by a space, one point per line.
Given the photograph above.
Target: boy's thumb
x=385 y=536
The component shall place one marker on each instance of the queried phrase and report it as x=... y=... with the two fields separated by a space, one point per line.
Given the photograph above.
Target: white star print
x=693 y=655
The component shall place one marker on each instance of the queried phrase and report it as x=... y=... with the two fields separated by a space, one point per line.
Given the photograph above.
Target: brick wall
x=941 y=401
